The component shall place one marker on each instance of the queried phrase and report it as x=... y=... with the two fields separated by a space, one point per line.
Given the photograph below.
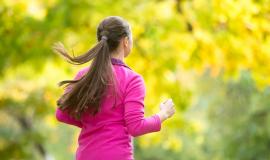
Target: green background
x=210 y=56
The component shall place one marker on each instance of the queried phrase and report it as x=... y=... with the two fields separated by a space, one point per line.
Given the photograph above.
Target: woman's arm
x=63 y=116
x=136 y=123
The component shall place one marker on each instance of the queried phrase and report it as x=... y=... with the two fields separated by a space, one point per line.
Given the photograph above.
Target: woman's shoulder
x=132 y=74
x=135 y=78
x=128 y=77
x=81 y=72
x=84 y=69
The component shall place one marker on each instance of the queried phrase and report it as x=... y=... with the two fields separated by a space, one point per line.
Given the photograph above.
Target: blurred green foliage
x=210 y=56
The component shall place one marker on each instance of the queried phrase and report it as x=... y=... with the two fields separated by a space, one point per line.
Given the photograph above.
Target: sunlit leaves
x=174 y=42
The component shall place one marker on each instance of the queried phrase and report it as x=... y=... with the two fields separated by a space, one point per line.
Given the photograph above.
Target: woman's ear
x=126 y=41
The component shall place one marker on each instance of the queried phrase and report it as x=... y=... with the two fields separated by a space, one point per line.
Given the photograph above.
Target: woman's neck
x=118 y=55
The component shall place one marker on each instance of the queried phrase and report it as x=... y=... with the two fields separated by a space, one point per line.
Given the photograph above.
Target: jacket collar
x=119 y=62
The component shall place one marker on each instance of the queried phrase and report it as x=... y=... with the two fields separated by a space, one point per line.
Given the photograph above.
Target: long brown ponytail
x=87 y=92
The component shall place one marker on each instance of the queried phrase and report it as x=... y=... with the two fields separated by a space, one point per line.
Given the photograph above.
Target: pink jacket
x=109 y=134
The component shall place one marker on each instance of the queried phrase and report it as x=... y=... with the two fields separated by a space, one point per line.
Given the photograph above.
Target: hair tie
x=104 y=37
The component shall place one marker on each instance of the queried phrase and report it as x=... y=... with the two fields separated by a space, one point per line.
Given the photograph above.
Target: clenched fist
x=167 y=109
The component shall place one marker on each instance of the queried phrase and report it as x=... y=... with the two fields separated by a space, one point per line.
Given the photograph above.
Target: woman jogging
x=106 y=99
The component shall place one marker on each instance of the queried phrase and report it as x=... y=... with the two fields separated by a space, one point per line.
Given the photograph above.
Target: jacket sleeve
x=62 y=116
x=135 y=121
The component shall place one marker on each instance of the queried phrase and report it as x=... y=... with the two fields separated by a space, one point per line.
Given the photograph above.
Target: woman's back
x=108 y=134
